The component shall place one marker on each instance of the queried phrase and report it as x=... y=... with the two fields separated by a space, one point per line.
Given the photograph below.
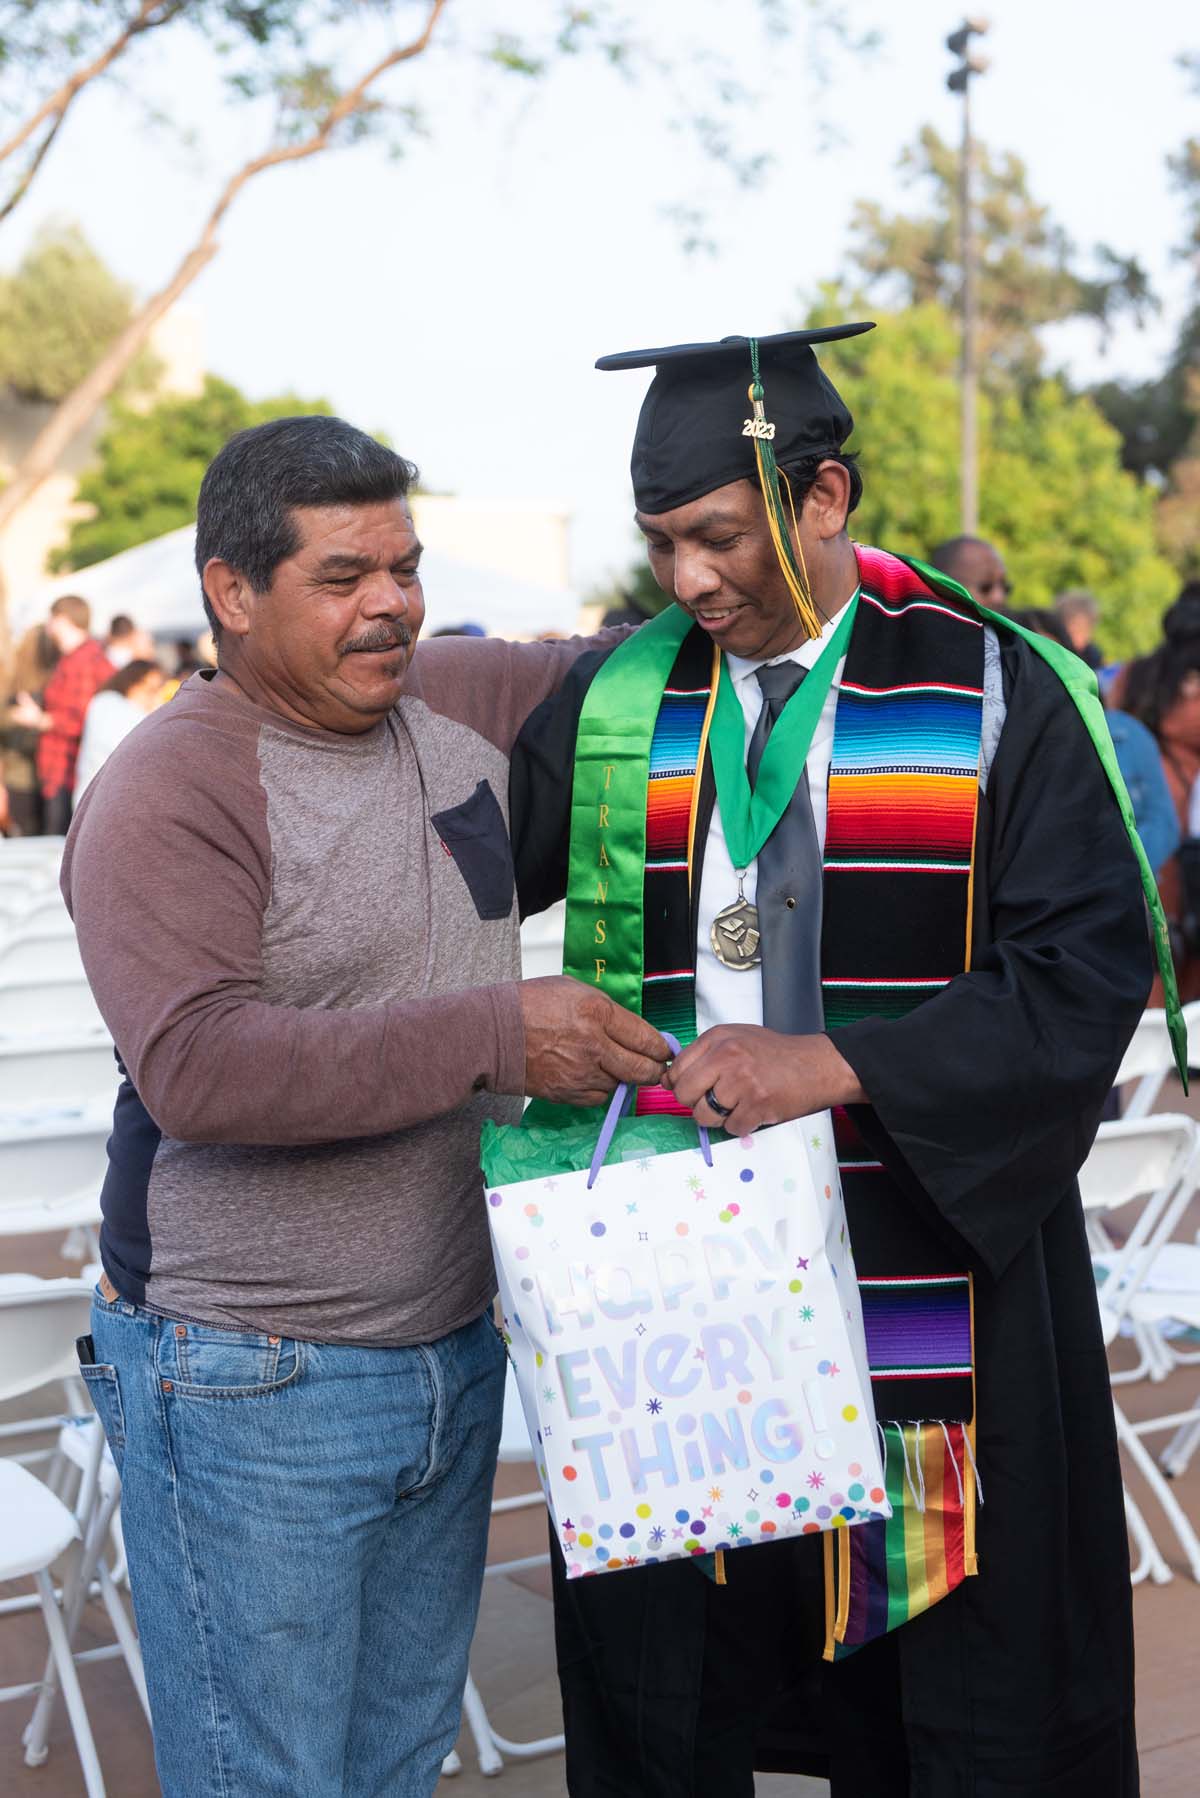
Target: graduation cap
x=733 y=410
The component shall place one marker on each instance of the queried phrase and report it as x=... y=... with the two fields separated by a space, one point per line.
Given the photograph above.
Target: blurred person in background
x=1078 y=612
x=33 y=662
x=58 y=720
x=1162 y=691
x=123 y=701
x=188 y=659
x=1137 y=752
x=976 y=565
x=126 y=641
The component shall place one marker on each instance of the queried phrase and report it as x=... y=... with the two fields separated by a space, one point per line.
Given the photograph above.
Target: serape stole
x=672 y=794
x=903 y=793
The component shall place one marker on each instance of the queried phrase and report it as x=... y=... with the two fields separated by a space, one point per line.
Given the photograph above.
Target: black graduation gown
x=985 y=1100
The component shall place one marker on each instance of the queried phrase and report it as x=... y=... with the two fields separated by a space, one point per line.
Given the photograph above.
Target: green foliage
x=1159 y=420
x=151 y=463
x=58 y=314
x=1053 y=495
x=1029 y=271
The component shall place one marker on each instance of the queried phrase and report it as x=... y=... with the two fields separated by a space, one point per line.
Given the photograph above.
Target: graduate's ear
x=229 y=594
x=827 y=502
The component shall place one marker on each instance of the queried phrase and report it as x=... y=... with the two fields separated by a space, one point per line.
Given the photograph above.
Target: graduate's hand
x=760 y=1077
x=579 y=1044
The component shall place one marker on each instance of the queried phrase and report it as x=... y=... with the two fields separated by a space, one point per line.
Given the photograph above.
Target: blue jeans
x=306 y=1529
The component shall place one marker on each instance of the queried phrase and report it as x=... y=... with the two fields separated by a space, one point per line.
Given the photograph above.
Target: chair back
x=52 y=1072
x=1134 y=1158
x=50 y=1005
x=27 y=955
x=47 y=1158
x=39 y=1321
x=1155 y=1160
x=542 y=943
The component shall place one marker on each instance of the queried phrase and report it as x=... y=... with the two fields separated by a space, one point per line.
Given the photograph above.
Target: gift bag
x=684 y=1324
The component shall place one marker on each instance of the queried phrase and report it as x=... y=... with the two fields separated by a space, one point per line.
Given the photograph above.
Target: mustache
x=383 y=636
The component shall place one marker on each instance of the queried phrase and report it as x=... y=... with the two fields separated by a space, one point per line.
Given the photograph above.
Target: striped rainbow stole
x=903 y=794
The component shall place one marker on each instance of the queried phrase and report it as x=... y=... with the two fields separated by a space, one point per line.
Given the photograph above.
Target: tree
x=73 y=43
x=150 y=464
x=59 y=312
x=1030 y=273
x=317 y=104
x=1053 y=495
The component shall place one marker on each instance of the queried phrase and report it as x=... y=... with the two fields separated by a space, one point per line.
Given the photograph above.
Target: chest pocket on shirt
x=477 y=837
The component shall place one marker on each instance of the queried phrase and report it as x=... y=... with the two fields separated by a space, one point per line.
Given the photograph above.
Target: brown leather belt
x=107 y=1289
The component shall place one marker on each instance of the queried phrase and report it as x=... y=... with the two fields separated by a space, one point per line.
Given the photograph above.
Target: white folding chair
x=49 y=1073
x=82 y=1448
x=48 y=1006
x=30 y=953
x=1155 y=1160
x=52 y=1166
x=1150 y=1059
x=38 y=1327
x=490 y=1746
x=542 y=943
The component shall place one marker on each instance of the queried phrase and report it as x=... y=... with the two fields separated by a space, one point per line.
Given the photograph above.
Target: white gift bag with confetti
x=687 y=1338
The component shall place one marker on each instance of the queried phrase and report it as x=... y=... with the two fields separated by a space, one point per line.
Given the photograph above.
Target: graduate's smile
x=717 y=620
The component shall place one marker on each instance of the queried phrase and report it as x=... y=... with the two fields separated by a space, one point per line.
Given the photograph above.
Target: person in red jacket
x=81 y=672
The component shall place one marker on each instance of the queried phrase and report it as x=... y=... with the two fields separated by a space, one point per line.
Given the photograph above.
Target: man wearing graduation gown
x=955 y=984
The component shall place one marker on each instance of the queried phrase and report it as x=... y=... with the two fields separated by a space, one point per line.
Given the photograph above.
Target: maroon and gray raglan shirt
x=306 y=948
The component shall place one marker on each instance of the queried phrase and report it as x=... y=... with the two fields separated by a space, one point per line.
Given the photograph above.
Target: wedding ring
x=722 y=1111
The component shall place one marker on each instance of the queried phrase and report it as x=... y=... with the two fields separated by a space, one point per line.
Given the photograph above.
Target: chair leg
x=1149 y=1470
x=451 y=1765
x=126 y=1636
x=1150 y=1561
x=60 y=1650
x=95 y=1523
x=477 y=1721
x=1180 y=1449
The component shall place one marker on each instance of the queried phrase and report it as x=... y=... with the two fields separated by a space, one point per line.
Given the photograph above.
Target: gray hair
x=244 y=515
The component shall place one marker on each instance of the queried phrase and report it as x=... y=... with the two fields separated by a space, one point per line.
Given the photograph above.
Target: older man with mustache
x=294 y=894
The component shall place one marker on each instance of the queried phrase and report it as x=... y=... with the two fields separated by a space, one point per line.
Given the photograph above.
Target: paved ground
x=513 y=1654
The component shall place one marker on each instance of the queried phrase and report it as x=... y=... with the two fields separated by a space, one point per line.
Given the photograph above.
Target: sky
x=457 y=296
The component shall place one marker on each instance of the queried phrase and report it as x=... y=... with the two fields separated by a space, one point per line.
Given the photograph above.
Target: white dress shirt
x=724 y=996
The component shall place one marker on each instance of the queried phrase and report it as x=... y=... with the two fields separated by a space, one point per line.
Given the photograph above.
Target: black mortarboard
x=733 y=410
x=689 y=437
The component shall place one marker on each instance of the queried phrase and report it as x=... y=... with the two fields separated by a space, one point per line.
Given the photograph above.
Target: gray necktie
x=789 y=883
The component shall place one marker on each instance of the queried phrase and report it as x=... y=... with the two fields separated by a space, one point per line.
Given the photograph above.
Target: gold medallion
x=735 y=937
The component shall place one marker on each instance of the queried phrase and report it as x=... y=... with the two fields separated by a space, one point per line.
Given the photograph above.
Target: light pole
x=959 y=82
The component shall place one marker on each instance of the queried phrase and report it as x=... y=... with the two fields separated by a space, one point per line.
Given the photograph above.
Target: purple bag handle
x=619 y=1101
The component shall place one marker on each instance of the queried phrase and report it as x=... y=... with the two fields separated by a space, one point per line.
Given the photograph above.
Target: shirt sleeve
x=493 y=685
x=167 y=876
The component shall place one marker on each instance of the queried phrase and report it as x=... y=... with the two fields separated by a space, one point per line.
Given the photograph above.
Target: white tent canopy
x=156 y=584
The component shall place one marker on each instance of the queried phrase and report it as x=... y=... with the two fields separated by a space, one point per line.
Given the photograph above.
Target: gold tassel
x=720 y=1560
x=830 y=1596
x=843 y=1607
x=794 y=571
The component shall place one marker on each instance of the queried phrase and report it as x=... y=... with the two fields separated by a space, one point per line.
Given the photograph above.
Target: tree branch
x=150 y=14
x=23 y=185
x=70 y=416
